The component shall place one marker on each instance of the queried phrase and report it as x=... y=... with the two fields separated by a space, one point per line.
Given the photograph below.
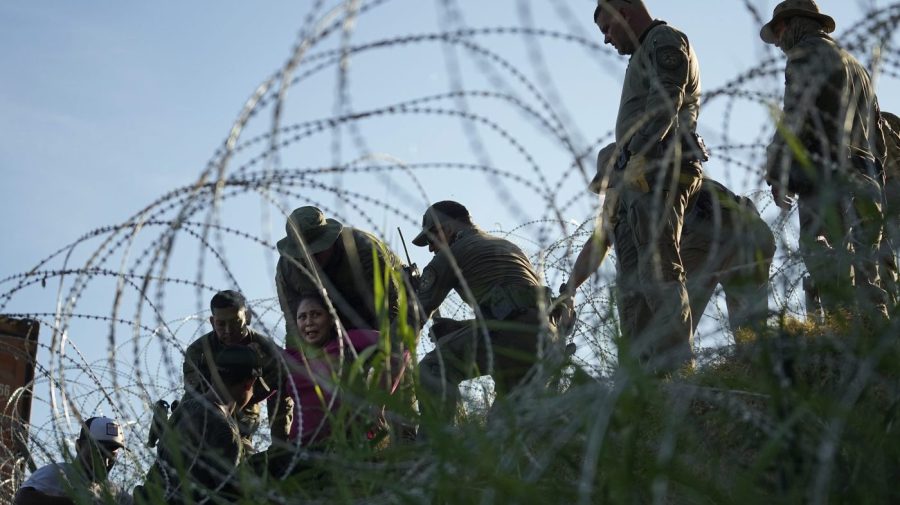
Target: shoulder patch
x=670 y=58
x=428 y=278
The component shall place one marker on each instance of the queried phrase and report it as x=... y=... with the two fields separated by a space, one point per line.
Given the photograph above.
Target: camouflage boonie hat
x=309 y=225
x=794 y=8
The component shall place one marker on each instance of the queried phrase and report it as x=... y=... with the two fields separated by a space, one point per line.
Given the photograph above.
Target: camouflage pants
x=654 y=308
x=739 y=260
x=507 y=353
x=840 y=239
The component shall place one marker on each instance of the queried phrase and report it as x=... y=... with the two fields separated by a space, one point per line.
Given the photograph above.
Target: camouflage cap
x=439 y=213
x=793 y=8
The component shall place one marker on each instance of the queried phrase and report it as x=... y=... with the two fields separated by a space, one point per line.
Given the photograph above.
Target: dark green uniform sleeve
x=668 y=72
x=214 y=447
x=391 y=261
x=438 y=279
x=200 y=444
x=287 y=297
x=778 y=155
x=364 y=269
x=280 y=404
x=195 y=367
x=369 y=250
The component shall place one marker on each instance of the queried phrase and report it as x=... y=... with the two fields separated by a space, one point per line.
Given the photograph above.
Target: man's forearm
x=192 y=377
x=281 y=413
x=589 y=260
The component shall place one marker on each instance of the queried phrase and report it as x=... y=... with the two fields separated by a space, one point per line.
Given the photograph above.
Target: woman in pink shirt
x=319 y=367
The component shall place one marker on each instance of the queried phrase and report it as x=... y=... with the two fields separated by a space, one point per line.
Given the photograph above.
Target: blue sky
x=106 y=106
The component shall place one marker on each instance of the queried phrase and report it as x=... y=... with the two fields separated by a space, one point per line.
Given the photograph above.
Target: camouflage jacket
x=486 y=271
x=203 y=446
x=661 y=93
x=830 y=108
x=348 y=278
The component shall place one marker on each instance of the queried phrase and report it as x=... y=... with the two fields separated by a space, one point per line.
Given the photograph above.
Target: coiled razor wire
x=129 y=281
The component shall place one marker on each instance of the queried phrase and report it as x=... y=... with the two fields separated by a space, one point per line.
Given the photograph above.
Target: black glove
x=412 y=276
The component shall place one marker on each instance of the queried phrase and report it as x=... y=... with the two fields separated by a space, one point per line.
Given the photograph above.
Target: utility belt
x=505 y=302
x=693 y=150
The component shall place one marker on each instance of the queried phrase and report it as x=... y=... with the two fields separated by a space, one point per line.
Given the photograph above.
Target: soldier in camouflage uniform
x=724 y=241
x=494 y=277
x=200 y=450
x=342 y=261
x=661 y=157
x=323 y=253
x=831 y=112
x=230 y=319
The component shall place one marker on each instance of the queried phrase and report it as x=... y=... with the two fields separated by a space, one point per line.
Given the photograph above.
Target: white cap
x=103 y=429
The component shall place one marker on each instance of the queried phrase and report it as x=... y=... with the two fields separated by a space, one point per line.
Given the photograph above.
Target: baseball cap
x=438 y=213
x=103 y=429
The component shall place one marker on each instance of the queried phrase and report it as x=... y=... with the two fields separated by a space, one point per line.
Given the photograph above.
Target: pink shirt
x=310 y=421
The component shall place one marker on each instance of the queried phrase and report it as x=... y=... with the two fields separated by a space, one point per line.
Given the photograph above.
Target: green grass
x=796 y=414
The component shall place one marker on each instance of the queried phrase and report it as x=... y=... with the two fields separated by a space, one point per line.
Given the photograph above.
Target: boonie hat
x=437 y=213
x=793 y=8
x=309 y=225
x=103 y=429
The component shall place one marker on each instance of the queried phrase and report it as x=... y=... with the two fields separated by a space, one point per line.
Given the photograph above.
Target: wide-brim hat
x=437 y=213
x=309 y=227
x=793 y=8
x=605 y=159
